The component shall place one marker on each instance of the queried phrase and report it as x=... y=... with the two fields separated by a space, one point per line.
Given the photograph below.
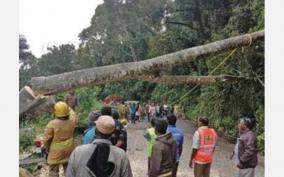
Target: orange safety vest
x=207 y=140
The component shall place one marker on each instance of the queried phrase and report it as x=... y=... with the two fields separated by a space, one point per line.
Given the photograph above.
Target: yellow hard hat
x=123 y=121
x=61 y=109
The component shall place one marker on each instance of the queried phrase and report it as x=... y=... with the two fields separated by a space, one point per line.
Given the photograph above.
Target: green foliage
x=88 y=102
x=27 y=62
x=30 y=128
x=57 y=60
x=34 y=126
x=260 y=128
x=29 y=167
x=127 y=31
x=26 y=138
x=36 y=123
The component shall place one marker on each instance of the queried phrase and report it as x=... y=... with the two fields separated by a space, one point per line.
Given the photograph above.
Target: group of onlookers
x=138 y=112
x=103 y=153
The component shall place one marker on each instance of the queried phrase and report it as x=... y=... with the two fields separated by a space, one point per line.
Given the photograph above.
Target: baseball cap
x=105 y=124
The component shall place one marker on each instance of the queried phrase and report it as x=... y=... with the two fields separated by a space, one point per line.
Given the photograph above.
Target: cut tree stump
x=29 y=103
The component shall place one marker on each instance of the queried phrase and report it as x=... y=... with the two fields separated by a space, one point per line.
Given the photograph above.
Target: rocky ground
x=222 y=165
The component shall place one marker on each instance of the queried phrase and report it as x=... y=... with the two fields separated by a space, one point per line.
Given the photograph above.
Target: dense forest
x=134 y=30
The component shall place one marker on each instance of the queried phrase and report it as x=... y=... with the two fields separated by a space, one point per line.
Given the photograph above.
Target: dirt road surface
x=222 y=165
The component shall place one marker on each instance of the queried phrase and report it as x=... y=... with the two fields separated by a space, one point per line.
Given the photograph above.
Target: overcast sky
x=53 y=22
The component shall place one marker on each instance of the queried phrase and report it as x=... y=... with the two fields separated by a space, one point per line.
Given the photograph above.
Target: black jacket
x=248 y=150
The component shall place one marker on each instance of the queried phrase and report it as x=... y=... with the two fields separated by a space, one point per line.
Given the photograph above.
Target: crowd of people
x=104 y=145
x=134 y=111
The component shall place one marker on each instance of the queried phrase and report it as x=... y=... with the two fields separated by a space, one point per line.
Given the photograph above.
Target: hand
x=239 y=166
x=190 y=164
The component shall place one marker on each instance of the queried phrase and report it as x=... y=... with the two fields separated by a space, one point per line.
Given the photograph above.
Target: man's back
x=163 y=155
x=89 y=135
x=77 y=166
x=132 y=109
x=119 y=134
x=178 y=136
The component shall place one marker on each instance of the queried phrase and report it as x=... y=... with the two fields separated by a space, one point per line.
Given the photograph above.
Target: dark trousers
x=148 y=117
x=202 y=170
x=175 y=169
x=133 y=118
x=54 y=170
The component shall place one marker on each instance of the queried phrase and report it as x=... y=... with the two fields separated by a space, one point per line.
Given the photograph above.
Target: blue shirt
x=132 y=109
x=89 y=136
x=178 y=136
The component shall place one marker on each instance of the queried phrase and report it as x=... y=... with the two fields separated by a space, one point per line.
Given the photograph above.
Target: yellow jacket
x=58 y=139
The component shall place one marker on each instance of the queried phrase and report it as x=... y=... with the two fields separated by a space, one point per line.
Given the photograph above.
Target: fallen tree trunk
x=100 y=75
x=31 y=104
x=173 y=80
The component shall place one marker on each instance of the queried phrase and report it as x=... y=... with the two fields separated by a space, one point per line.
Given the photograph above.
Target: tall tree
x=26 y=58
x=57 y=60
x=27 y=62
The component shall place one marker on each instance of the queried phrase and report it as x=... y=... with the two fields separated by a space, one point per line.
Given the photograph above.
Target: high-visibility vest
x=207 y=140
x=151 y=141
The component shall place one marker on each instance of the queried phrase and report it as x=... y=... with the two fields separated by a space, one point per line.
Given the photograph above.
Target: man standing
x=152 y=111
x=246 y=148
x=119 y=136
x=58 y=138
x=89 y=134
x=163 y=156
x=99 y=158
x=178 y=136
x=150 y=140
x=72 y=100
x=133 y=112
x=203 y=147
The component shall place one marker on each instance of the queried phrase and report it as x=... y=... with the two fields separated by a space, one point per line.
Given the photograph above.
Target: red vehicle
x=112 y=98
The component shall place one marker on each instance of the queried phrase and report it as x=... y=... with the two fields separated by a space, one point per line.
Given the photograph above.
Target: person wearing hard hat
x=58 y=137
x=100 y=158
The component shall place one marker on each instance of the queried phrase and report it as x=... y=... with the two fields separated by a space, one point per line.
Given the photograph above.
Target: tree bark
x=100 y=75
x=31 y=104
x=173 y=80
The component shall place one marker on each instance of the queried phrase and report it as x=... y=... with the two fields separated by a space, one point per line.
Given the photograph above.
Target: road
x=222 y=166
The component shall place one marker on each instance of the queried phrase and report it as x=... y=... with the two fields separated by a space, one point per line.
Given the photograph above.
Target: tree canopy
x=134 y=30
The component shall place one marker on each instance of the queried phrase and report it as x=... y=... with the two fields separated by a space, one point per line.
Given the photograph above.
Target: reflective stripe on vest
x=206 y=139
x=62 y=144
x=60 y=151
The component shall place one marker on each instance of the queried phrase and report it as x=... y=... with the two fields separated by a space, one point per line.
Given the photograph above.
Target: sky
x=53 y=22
